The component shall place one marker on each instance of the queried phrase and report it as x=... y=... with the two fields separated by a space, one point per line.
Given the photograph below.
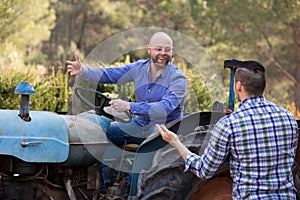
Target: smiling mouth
x=161 y=63
x=162 y=59
x=159 y=60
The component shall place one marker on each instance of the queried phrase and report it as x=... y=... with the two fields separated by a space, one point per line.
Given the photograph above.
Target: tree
x=23 y=25
x=82 y=25
x=264 y=30
x=267 y=31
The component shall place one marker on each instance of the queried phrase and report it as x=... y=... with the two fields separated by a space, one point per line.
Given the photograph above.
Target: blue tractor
x=45 y=155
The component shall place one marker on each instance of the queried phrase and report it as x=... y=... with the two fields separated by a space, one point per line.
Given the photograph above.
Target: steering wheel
x=103 y=108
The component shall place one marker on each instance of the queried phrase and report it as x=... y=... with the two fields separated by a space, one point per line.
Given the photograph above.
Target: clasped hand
x=120 y=105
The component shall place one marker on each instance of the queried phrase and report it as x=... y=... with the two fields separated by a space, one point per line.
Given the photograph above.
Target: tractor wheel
x=173 y=183
x=170 y=183
x=166 y=180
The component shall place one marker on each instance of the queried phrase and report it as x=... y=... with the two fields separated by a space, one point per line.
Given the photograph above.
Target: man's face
x=160 y=55
x=160 y=50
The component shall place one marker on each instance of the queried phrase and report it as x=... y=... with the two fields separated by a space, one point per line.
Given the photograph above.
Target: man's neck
x=156 y=70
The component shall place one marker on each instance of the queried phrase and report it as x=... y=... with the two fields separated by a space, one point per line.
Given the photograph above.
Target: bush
x=51 y=91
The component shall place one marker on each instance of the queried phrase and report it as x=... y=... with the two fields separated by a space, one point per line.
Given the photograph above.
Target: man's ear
x=148 y=49
x=238 y=86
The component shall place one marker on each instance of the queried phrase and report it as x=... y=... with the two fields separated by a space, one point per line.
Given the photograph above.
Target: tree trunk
x=81 y=35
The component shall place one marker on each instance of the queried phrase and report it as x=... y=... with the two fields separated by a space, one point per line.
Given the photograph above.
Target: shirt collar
x=164 y=72
x=252 y=100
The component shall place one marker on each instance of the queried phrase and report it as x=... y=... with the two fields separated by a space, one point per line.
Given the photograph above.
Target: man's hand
x=74 y=67
x=120 y=105
x=173 y=139
x=167 y=135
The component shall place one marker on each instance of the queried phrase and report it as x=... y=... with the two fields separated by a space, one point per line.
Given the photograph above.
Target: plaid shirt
x=261 y=139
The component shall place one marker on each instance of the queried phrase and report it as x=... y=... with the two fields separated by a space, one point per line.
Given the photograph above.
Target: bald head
x=161 y=39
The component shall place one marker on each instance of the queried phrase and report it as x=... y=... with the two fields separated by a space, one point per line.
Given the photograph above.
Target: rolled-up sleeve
x=193 y=163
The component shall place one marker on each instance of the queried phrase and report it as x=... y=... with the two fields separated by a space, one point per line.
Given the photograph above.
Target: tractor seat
x=130 y=147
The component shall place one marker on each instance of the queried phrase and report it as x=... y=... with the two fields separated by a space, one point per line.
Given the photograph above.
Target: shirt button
x=149 y=90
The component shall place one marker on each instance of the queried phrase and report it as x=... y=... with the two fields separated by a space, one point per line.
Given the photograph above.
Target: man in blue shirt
x=160 y=90
x=260 y=138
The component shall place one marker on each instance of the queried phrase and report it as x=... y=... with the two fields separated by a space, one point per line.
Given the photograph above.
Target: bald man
x=160 y=90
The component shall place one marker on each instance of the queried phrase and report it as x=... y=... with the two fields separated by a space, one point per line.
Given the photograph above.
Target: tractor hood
x=42 y=139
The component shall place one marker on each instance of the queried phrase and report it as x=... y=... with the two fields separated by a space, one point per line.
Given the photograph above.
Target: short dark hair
x=252 y=76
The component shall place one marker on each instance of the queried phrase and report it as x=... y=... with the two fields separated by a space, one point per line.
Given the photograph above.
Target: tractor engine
x=44 y=154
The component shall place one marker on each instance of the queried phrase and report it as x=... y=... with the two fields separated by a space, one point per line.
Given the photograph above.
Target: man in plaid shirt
x=260 y=137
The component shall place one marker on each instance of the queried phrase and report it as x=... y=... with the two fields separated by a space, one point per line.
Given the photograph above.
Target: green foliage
x=51 y=92
x=242 y=29
x=23 y=25
x=9 y=79
x=198 y=97
x=267 y=31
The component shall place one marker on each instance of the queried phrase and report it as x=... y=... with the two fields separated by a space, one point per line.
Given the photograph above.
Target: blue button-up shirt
x=159 y=101
x=261 y=139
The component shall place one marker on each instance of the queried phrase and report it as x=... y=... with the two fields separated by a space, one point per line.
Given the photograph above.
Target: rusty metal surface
x=218 y=188
x=87 y=141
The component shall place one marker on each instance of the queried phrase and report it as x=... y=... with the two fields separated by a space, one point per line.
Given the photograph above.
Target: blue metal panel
x=231 y=90
x=43 y=139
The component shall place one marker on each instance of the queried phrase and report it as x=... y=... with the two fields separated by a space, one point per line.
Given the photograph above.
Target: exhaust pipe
x=24 y=89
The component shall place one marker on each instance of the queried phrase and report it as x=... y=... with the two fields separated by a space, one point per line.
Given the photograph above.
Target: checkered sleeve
x=193 y=163
x=206 y=165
